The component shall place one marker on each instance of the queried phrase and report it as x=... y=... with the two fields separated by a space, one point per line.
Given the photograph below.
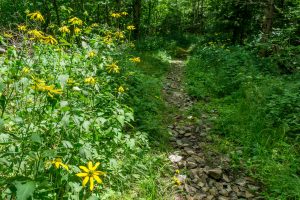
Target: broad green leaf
x=24 y=191
x=67 y=144
x=121 y=119
x=36 y=138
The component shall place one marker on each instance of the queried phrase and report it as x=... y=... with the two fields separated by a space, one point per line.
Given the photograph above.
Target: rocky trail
x=200 y=172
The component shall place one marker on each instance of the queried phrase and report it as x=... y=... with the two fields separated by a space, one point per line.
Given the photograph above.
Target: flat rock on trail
x=200 y=173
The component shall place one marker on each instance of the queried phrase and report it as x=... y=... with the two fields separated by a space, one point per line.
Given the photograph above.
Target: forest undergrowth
x=255 y=110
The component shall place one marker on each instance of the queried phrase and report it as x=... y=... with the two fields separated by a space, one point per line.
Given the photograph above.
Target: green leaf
x=121 y=119
x=36 y=138
x=24 y=191
x=2 y=86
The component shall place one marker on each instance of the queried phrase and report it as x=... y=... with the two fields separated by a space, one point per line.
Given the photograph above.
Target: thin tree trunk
x=107 y=14
x=137 y=10
x=268 y=21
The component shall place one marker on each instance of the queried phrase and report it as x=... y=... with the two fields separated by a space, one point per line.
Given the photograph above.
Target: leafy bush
x=62 y=107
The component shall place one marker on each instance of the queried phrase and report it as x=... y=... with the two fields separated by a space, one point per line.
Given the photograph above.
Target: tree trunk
x=137 y=10
x=268 y=21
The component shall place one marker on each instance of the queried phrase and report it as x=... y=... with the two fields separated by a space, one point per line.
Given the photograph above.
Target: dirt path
x=200 y=172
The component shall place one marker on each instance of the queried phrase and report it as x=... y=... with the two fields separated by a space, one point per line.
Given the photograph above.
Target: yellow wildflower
x=121 y=89
x=135 y=59
x=90 y=80
x=91 y=54
x=77 y=30
x=107 y=39
x=75 y=21
x=40 y=85
x=116 y=15
x=94 y=25
x=90 y=174
x=22 y=27
x=177 y=171
x=70 y=81
x=57 y=162
x=124 y=13
x=8 y=35
x=131 y=27
x=177 y=181
x=36 y=16
x=49 y=40
x=64 y=29
x=119 y=35
x=113 y=68
x=36 y=34
x=25 y=70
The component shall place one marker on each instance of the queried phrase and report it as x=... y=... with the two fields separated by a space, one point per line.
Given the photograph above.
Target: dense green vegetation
x=81 y=83
x=257 y=110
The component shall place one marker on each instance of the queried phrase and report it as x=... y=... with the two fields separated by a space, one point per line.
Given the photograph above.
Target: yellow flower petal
x=90 y=165
x=64 y=166
x=84 y=169
x=81 y=174
x=97 y=179
x=91 y=183
x=85 y=180
x=96 y=165
x=57 y=164
x=99 y=173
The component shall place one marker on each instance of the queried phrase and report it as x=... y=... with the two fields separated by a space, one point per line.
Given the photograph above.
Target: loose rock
x=215 y=173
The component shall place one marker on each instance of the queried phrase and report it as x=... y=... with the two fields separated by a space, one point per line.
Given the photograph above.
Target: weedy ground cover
x=254 y=108
x=66 y=131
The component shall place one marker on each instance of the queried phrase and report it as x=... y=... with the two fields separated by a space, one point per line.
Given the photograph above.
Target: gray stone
x=224 y=192
x=223 y=198
x=210 y=197
x=191 y=165
x=175 y=158
x=215 y=173
x=213 y=191
x=200 y=184
x=2 y=50
x=248 y=195
x=187 y=134
x=241 y=182
x=225 y=178
x=199 y=197
x=253 y=187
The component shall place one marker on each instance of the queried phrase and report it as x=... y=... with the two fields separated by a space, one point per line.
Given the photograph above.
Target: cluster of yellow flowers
x=89 y=173
x=40 y=85
x=131 y=27
x=135 y=60
x=64 y=29
x=176 y=180
x=90 y=80
x=36 y=16
x=22 y=27
x=121 y=90
x=76 y=21
x=119 y=35
x=118 y=15
x=39 y=35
